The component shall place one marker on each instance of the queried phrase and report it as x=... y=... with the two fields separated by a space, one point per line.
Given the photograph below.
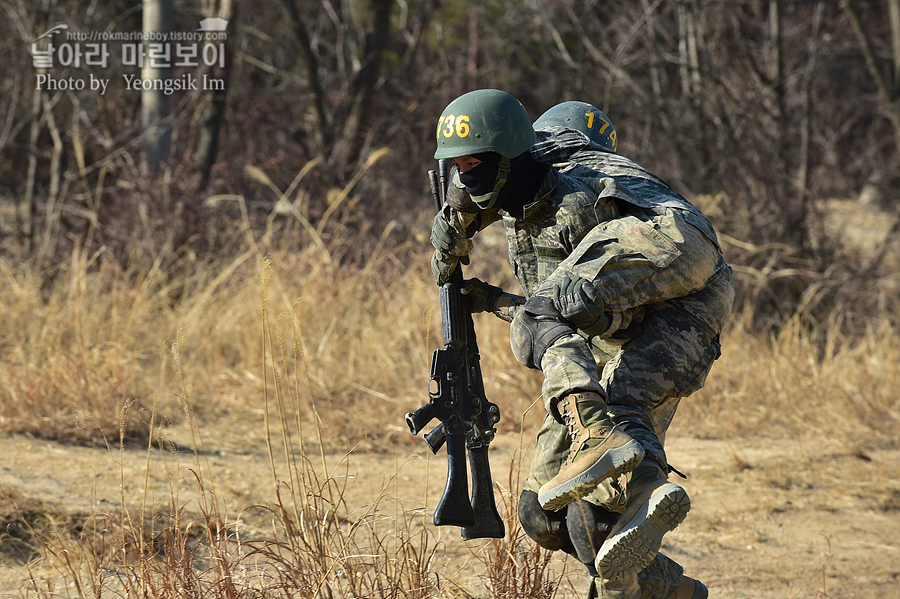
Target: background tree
x=758 y=111
x=158 y=23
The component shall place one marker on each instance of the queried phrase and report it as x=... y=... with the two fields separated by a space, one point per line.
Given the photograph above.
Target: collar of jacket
x=543 y=199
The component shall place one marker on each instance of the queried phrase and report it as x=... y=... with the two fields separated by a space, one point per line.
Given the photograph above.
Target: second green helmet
x=583 y=117
x=485 y=120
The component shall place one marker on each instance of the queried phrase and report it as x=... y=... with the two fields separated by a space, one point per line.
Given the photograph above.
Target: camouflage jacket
x=563 y=212
x=573 y=153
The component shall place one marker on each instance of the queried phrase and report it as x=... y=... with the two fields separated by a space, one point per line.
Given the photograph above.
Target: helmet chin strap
x=487 y=201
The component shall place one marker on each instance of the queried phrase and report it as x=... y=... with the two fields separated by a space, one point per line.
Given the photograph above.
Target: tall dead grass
x=319 y=350
x=802 y=382
x=88 y=354
x=317 y=545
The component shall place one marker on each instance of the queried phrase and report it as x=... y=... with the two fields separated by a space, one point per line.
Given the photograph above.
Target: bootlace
x=569 y=419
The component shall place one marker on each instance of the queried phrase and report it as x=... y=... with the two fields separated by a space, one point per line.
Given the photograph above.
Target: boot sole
x=633 y=548
x=611 y=464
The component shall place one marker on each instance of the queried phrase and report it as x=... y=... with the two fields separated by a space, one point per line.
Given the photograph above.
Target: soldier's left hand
x=442 y=266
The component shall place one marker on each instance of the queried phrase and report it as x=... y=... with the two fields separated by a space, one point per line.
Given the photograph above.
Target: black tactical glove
x=449 y=247
x=442 y=268
x=482 y=296
x=580 y=304
x=446 y=239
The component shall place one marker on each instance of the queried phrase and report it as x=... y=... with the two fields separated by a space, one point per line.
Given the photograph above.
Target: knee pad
x=547 y=529
x=537 y=326
x=588 y=526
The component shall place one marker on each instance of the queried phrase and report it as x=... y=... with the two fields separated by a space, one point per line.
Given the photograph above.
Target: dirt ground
x=770 y=519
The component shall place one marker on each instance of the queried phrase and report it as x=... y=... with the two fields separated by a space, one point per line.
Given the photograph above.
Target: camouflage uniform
x=657 y=262
x=670 y=309
x=668 y=313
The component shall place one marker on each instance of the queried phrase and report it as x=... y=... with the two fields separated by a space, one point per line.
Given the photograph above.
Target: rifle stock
x=456 y=398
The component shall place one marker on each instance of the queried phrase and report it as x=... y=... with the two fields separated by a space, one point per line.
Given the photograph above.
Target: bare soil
x=799 y=518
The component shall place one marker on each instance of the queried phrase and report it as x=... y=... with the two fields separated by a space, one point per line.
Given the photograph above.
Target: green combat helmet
x=485 y=120
x=583 y=117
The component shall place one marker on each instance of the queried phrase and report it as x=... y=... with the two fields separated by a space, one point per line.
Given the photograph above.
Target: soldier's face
x=466 y=163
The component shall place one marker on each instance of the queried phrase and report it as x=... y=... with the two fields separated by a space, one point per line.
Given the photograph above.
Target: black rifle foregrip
x=436 y=438
x=418 y=420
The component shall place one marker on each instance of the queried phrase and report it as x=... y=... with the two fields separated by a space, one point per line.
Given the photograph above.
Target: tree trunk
x=25 y=207
x=360 y=118
x=322 y=132
x=55 y=191
x=887 y=98
x=208 y=141
x=894 y=10
x=158 y=17
x=802 y=179
x=472 y=58
x=776 y=64
x=693 y=49
x=777 y=86
x=681 y=14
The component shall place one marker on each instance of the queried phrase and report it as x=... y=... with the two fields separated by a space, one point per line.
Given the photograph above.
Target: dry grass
x=302 y=339
x=803 y=383
x=88 y=356
x=327 y=352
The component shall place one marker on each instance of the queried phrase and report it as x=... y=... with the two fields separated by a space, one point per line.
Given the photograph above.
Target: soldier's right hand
x=450 y=247
x=446 y=239
x=483 y=297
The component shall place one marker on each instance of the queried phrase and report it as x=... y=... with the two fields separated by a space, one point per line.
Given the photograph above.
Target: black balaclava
x=480 y=180
x=524 y=179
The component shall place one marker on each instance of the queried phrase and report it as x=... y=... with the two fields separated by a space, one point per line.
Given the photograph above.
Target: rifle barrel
x=443 y=176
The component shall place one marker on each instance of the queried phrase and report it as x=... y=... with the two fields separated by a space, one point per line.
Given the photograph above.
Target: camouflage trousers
x=675 y=279
x=645 y=377
x=643 y=380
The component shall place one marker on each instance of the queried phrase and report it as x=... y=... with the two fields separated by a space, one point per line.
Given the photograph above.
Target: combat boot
x=653 y=507
x=623 y=589
x=599 y=451
x=630 y=588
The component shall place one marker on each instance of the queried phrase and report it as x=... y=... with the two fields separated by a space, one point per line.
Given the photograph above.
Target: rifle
x=457 y=399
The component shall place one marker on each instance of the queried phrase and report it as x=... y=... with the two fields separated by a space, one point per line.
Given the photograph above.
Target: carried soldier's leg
x=581 y=529
x=598 y=450
x=588 y=525
x=654 y=507
x=621 y=269
x=572 y=394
